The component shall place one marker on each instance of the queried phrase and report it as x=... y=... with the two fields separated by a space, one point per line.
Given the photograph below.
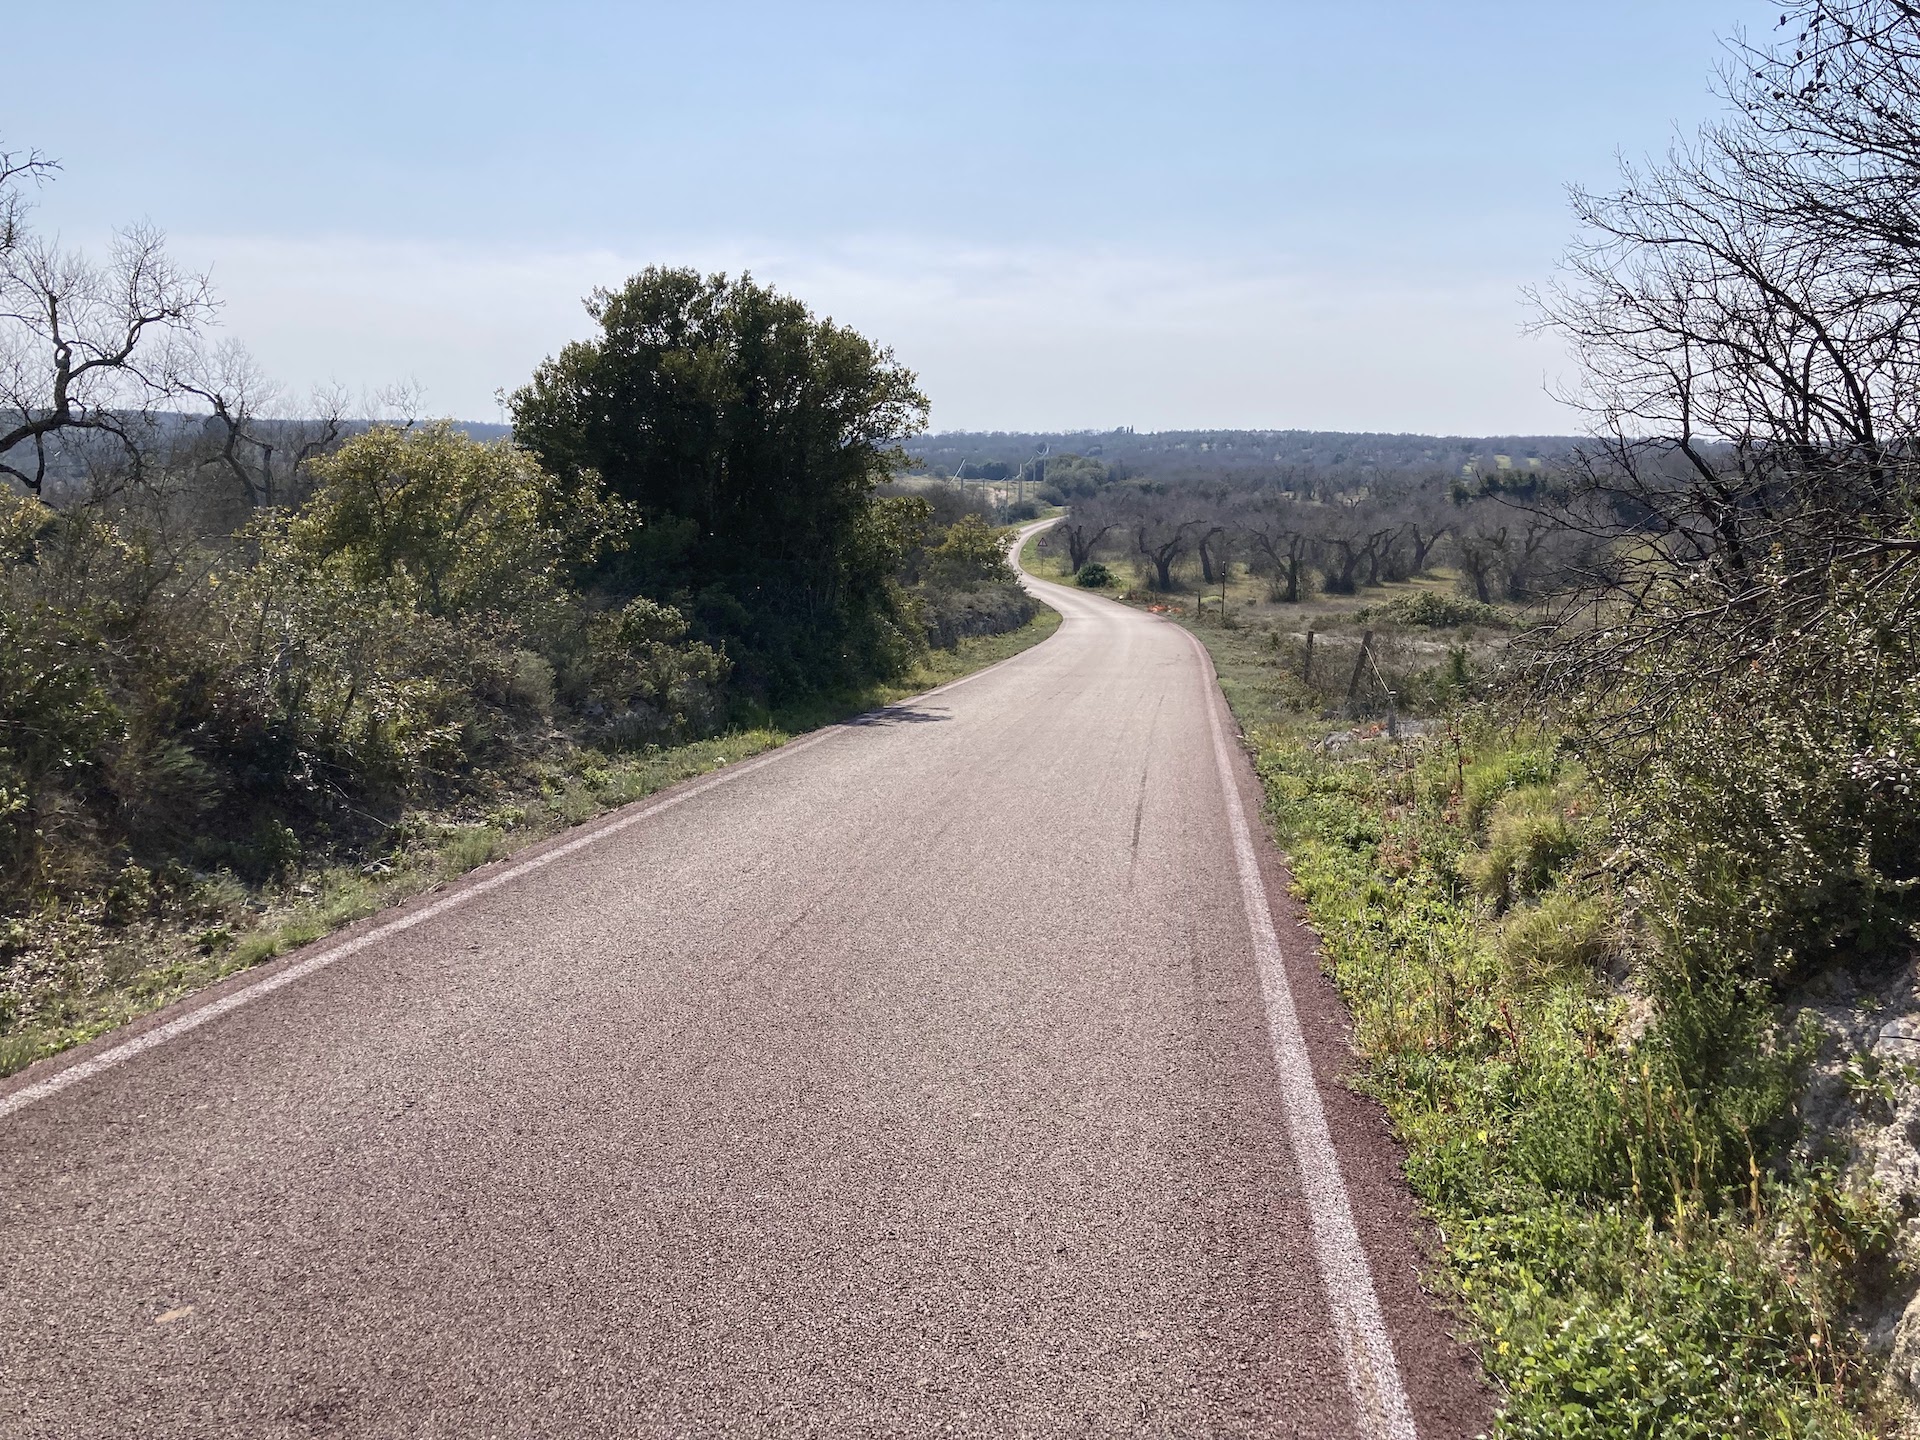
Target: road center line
x=1373 y=1378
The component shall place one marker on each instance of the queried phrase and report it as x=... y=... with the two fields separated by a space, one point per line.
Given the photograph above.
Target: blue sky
x=1061 y=214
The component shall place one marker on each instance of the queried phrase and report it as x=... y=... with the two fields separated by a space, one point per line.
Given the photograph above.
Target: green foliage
x=1618 y=1219
x=748 y=437
x=971 y=554
x=639 y=680
x=171 y=704
x=1533 y=833
x=1093 y=576
x=54 y=716
x=461 y=528
x=950 y=616
x=1494 y=775
x=1565 y=938
x=1603 y=1327
x=1071 y=477
x=1433 y=610
x=1776 y=823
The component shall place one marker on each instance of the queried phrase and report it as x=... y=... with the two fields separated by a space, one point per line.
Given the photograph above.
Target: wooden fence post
x=1359 y=664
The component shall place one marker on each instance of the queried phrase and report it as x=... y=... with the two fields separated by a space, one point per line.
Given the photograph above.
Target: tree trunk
x=1296 y=561
x=1209 y=572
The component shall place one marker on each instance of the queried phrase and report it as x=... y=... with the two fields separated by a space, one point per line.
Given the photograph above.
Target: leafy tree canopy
x=749 y=436
x=475 y=526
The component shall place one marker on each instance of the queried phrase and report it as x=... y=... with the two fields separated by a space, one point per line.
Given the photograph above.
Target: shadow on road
x=901 y=715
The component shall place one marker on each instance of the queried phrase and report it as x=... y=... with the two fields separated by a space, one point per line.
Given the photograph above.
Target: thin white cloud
x=1009 y=338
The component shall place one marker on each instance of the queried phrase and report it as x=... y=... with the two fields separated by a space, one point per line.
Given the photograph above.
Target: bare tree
x=16 y=168
x=1480 y=545
x=266 y=456
x=85 y=347
x=1746 y=314
x=231 y=385
x=1162 y=530
x=1430 y=519
x=1211 y=541
x=1276 y=529
x=1352 y=532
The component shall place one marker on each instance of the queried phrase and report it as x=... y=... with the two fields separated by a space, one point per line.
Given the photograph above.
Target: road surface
x=935 y=1075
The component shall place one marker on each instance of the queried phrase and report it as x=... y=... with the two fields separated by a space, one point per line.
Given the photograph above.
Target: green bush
x=54 y=718
x=1093 y=576
x=1432 y=610
x=971 y=554
x=1637 y=1254
x=1776 y=826
x=638 y=680
x=455 y=526
x=406 y=630
x=950 y=616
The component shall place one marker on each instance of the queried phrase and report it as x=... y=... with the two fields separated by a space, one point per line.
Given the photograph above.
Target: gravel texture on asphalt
x=916 y=1083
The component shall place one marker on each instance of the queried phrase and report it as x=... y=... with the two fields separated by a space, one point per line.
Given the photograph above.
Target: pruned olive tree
x=1083 y=527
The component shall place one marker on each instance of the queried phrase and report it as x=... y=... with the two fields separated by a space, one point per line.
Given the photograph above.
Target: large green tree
x=748 y=434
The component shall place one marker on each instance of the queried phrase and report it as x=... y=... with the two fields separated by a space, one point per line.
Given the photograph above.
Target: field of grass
x=84 y=973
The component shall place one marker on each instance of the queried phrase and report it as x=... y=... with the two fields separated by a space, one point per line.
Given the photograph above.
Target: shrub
x=54 y=717
x=950 y=617
x=1093 y=576
x=1775 y=825
x=970 y=555
x=638 y=680
x=1435 y=611
x=460 y=527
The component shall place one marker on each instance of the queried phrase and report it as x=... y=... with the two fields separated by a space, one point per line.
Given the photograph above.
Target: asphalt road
x=931 y=1076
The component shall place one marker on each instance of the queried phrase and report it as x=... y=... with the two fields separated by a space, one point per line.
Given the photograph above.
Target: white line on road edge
x=29 y=1094
x=1373 y=1379
x=333 y=954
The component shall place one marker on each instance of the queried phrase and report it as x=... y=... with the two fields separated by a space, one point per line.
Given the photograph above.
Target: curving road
x=961 y=1070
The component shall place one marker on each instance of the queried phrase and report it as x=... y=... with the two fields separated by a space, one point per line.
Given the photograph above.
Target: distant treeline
x=1307 y=530
x=1291 y=457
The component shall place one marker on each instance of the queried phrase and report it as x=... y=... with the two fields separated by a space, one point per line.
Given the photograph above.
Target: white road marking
x=107 y=1059
x=1373 y=1377
x=29 y=1094
x=333 y=954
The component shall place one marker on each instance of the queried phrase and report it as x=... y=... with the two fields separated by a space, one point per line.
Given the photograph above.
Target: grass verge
x=1622 y=1229
x=86 y=971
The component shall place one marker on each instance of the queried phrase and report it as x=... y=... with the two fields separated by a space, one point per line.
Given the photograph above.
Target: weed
x=1532 y=835
x=1564 y=939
